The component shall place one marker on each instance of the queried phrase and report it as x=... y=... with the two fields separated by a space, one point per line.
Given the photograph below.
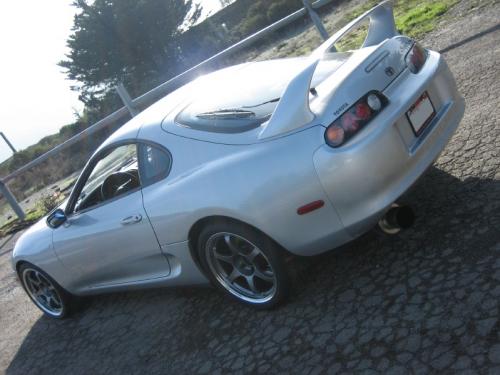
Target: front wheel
x=244 y=263
x=45 y=293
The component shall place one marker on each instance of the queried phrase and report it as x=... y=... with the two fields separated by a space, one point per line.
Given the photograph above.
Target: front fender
x=35 y=246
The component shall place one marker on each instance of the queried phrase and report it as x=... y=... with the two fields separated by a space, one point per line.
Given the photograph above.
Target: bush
x=281 y=9
x=47 y=203
x=253 y=24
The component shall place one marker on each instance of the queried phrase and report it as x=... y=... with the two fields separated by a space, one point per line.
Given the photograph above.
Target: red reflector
x=310 y=207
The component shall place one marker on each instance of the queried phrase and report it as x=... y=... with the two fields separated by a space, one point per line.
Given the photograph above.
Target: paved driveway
x=424 y=301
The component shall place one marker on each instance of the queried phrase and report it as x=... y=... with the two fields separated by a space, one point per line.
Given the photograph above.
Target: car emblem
x=340 y=109
x=389 y=71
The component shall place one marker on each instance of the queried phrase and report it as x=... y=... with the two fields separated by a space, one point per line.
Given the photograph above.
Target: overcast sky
x=35 y=96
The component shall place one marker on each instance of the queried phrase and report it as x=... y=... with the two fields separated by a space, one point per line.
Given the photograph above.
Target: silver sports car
x=227 y=176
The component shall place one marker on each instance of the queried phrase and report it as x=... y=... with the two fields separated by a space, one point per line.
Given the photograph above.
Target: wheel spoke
x=49 y=302
x=230 y=245
x=234 y=275
x=35 y=281
x=44 y=281
x=54 y=295
x=224 y=258
x=263 y=276
x=40 y=278
x=251 y=284
x=56 y=302
x=253 y=254
x=51 y=288
x=35 y=276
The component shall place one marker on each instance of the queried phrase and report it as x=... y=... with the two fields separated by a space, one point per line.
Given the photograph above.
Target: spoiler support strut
x=293 y=111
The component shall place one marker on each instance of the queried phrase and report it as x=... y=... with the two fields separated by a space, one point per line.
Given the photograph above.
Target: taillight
x=355 y=118
x=415 y=58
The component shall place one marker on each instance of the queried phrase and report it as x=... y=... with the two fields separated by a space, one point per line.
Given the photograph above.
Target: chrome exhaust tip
x=397 y=218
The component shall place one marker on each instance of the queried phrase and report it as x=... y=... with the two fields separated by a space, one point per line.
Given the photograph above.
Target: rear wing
x=293 y=111
x=382 y=27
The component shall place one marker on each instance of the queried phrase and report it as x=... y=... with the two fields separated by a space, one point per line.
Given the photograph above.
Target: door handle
x=131 y=219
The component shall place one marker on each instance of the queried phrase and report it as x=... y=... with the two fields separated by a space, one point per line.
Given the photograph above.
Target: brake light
x=355 y=118
x=416 y=58
x=363 y=111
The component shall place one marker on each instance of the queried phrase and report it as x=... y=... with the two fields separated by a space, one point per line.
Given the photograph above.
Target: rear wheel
x=244 y=263
x=45 y=293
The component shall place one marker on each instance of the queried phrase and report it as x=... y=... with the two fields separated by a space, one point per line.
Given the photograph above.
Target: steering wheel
x=118 y=183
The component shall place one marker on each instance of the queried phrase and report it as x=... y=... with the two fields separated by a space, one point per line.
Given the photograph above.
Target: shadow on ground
x=424 y=299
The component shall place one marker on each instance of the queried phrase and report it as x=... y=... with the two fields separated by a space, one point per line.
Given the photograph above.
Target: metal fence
x=134 y=106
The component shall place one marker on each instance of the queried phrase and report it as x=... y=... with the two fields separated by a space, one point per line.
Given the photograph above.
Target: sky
x=35 y=96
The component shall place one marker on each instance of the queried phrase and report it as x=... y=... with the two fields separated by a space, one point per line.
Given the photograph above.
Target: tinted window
x=238 y=100
x=114 y=174
x=155 y=163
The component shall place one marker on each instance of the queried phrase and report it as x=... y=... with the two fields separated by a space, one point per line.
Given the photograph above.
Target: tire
x=45 y=292
x=244 y=263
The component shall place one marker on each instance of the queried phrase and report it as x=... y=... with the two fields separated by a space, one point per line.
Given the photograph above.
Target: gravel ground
x=425 y=301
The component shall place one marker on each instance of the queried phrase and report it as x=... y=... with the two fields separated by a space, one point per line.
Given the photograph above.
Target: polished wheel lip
x=244 y=266
x=42 y=292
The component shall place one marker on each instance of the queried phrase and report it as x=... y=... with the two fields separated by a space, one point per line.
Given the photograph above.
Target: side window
x=155 y=163
x=114 y=174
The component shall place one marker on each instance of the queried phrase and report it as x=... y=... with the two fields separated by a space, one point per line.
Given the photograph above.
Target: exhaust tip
x=396 y=219
x=405 y=217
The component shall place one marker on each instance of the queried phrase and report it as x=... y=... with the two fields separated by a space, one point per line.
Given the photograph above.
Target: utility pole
x=315 y=18
x=8 y=142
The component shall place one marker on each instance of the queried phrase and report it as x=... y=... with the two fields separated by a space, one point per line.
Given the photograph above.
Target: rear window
x=234 y=120
x=240 y=99
x=244 y=98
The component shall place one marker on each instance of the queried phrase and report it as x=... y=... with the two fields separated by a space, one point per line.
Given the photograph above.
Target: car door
x=108 y=239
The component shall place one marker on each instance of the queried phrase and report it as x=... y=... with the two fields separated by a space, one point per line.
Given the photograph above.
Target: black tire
x=64 y=299
x=269 y=263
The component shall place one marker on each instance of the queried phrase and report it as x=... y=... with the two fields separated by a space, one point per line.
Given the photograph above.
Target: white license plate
x=420 y=113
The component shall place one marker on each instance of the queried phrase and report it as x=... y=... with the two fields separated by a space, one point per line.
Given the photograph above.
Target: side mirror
x=56 y=218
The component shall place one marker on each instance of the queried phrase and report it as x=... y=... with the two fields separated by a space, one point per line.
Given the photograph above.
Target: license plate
x=420 y=113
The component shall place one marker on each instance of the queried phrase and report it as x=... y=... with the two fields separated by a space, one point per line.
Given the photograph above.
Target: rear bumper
x=364 y=177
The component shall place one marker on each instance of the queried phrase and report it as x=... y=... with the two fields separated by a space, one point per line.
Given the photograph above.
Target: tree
x=129 y=41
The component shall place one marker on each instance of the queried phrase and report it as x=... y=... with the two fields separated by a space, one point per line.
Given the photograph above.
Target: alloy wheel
x=43 y=292
x=241 y=267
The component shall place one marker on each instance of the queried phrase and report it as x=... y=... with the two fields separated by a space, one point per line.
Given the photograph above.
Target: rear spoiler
x=293 y=111
x=382 y=27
